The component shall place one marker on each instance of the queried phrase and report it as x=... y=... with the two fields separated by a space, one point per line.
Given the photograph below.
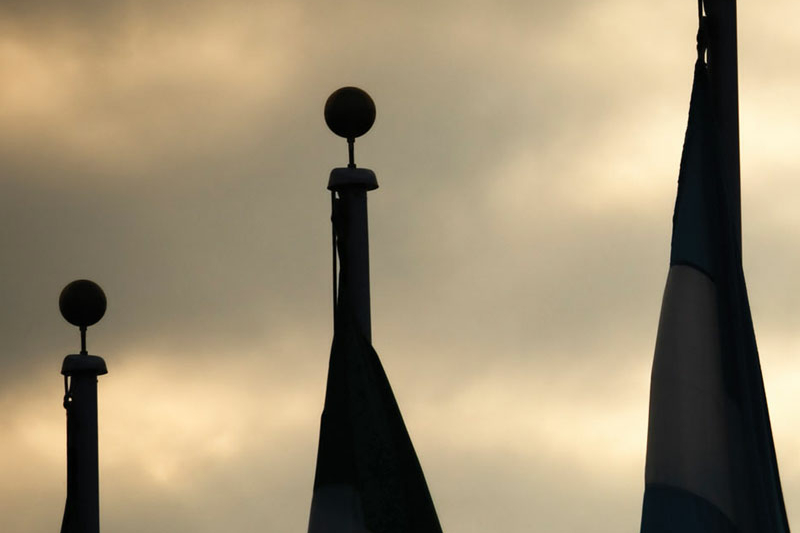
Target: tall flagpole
x=350 y=113
x=368 y=476
x=723 y=70
x=82 y=303
x=711 y=463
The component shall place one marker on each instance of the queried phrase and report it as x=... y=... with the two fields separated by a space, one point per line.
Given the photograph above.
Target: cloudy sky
x=527 y=151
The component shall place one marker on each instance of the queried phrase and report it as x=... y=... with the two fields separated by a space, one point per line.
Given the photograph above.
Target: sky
x=527 y=153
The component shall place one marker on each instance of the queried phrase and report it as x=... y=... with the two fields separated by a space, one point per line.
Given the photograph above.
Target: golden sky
x=527 y=151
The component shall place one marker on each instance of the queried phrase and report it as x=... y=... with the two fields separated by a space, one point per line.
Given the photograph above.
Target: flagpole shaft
x=723 y=69
x=352 y=230
x=356 y=275
x=82 y=512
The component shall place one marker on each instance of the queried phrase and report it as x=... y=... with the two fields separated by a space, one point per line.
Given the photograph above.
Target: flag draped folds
x=711 y=464
x=368 y=477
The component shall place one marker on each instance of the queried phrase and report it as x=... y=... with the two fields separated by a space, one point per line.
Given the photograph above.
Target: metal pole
x=82 y=303
x=350 y=113
x=723 y=69
x=82 y=510
x=352 y=230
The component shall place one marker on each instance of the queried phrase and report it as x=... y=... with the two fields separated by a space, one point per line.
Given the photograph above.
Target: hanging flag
x=368 y=476
x=711 y=463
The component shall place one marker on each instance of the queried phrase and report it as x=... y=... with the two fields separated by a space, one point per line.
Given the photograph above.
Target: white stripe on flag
x=694 y=439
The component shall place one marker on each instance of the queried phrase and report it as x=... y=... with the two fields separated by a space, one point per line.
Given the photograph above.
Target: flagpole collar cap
x=82 y=364
x=349 y=178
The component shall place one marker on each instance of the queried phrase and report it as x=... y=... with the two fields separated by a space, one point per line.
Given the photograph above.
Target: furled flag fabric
x=368 y=477
x=711 y=463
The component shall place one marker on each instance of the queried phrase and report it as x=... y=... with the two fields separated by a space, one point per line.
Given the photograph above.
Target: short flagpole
x=350 y=113
x=82 y=303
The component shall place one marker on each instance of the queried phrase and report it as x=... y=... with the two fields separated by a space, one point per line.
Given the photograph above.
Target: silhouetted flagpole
x=720 y=27
x=350 y=113
x=368 y=477
x=82 y=304
x=711 y=463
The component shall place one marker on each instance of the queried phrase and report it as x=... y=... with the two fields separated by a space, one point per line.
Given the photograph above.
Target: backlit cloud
x=527 y=154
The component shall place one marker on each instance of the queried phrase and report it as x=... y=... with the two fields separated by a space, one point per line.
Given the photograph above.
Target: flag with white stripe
x=711 y=463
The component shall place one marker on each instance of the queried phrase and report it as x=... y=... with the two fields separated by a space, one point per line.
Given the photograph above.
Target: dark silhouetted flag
x=711 y=463
x=368 y=477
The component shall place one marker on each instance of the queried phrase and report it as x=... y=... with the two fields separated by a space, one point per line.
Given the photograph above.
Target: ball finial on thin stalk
x=83 y=304
x=350 y=113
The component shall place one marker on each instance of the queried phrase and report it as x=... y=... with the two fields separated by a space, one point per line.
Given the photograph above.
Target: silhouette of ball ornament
x=349 y=112
x=82 y=303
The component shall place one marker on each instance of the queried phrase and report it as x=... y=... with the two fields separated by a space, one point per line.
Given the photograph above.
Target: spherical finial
x=349 y=112
x=82 y=303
